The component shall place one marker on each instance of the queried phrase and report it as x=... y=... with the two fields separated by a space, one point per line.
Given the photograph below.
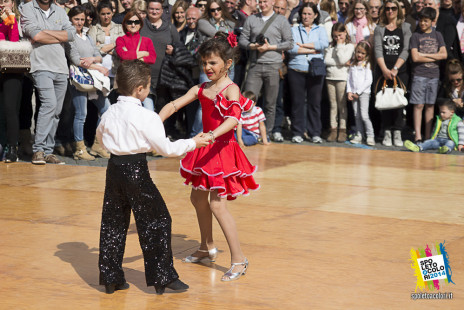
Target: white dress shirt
x=128 y=128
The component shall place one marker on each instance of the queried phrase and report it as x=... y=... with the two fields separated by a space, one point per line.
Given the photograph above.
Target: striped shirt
x=250 y=120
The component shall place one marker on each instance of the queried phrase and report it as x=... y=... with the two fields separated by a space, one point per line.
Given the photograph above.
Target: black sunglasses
x=215 y=10
x=133 y=22
x=391 y=8
x=456 y=80
x=201 y=5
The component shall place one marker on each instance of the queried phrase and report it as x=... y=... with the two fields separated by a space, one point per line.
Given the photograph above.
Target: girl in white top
x=359 y=92
x=359 y=23
x=337 y=57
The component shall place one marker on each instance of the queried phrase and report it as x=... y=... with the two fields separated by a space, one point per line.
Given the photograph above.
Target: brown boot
x=332 y=135
x=81 y=152
x=341 y=135
x=25 y=142
x=98 y=150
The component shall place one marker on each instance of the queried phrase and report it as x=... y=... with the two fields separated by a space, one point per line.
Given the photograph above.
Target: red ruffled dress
x=221 y=165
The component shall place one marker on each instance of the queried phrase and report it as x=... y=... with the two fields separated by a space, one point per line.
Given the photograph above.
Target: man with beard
x=119 y=17
x=48 y=27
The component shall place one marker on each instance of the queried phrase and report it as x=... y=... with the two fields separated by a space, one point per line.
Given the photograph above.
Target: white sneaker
x=297 y=139
x=387 y=139
x=397 y=141
x=277 y=137
x=357 y=139
x=316 y=139
x=370 y=140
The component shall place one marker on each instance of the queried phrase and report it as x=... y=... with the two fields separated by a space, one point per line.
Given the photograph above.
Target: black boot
x=110 y=288
x=176 y=285
x=11 y=155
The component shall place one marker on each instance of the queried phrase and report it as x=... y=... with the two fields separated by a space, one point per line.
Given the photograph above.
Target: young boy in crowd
x=427 y=49
x=251 y=128
x=447 y=134
x=128 y=132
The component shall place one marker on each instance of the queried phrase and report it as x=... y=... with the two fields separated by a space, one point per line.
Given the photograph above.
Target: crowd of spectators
x=281 y=42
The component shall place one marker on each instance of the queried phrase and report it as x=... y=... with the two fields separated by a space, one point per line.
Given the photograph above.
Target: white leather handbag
x=389 y=98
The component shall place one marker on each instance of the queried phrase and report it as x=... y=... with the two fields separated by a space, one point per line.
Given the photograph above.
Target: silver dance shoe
x=212 y=254
x=232 y=276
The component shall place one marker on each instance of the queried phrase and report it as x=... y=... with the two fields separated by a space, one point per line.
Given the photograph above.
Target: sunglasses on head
x=391 y=8
x=133 y=22
x=215 y=10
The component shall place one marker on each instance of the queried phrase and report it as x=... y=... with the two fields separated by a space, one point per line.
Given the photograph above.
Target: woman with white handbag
x=391 y=43
x=85 y=54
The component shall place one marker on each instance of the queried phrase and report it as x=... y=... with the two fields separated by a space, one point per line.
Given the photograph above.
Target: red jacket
x=127 y=45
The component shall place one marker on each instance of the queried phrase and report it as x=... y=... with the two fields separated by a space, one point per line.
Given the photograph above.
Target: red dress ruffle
x=221 y=165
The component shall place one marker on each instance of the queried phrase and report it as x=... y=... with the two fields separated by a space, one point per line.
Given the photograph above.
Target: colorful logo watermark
x=431 y=267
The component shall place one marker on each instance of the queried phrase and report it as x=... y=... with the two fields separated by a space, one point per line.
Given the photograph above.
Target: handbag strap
x=138 y=45
x=302 y=41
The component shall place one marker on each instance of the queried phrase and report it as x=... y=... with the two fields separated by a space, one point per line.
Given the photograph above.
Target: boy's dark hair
x=132 y=74
x=220 y=46
x=447 y=103
x=250 y=95
x=427 y=12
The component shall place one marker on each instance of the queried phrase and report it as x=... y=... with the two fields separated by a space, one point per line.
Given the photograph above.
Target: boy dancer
x=128 y=131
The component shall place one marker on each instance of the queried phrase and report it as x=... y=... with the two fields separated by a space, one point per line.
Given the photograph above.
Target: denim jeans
x=51 y=89
x=79 y=100
x=361 y=114
x=434 y=144
x=248 y=137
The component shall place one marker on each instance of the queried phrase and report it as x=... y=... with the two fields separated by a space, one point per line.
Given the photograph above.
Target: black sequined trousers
x=129 y=187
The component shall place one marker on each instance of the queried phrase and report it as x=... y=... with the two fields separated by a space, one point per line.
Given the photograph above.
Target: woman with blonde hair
x=140 y=7
x=391 y=58
x=179 y=9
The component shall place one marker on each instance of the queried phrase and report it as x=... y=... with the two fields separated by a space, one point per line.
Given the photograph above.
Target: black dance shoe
x=110 y=288
x=176 y=285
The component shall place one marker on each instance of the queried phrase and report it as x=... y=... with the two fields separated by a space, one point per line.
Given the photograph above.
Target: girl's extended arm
x=175 y=105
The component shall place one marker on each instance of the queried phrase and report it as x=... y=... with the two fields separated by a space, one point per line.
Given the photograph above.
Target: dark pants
x=25 y=114
x=306 y=90
x=129 y=187
x=10 y=99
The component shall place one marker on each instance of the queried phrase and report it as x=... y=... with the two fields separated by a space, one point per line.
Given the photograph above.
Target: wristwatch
x=396 y=68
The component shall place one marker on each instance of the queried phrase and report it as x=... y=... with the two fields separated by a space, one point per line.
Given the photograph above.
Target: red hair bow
x=232 y=39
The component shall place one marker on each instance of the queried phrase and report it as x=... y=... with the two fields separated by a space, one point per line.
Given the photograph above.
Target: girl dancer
x=220 y=170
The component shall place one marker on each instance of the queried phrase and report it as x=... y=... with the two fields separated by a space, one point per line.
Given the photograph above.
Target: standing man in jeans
x=48 y=27
x=266 y=56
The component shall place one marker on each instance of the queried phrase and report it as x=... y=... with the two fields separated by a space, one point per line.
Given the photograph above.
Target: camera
x=261 y=39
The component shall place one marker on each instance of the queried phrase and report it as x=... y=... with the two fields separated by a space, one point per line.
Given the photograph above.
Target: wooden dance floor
x=330 y=228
